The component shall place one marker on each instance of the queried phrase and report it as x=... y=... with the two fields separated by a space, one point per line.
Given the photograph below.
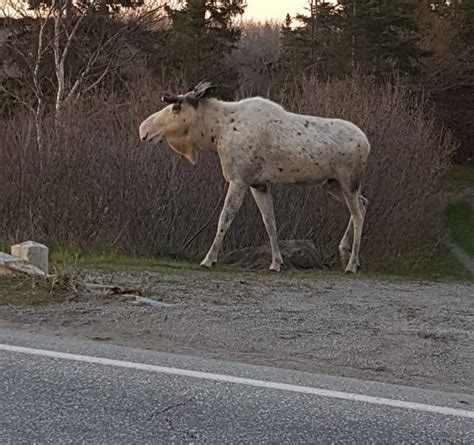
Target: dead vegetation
x=93 y=186
x=23 y=291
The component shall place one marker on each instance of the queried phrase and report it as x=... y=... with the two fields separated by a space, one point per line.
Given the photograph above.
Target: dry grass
x=27 y=291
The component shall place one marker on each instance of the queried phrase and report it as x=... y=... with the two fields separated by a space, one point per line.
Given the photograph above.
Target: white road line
x=244 y=381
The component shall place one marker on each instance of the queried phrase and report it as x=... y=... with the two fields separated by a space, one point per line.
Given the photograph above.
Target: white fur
x=259 y=143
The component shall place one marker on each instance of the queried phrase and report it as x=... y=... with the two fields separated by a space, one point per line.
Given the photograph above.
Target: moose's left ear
x=169 y=99
x=203 y=90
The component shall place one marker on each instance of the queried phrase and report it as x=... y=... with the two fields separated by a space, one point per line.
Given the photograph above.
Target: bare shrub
x=257 y=56
x=95 y=186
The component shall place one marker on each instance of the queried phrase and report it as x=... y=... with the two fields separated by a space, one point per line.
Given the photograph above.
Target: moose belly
x=296 y=170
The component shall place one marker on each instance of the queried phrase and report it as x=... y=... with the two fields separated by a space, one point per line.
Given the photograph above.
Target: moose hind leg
x=264 y=201
x=334 y=189
x=357 y=209
x=345 y=245
x=233 y=202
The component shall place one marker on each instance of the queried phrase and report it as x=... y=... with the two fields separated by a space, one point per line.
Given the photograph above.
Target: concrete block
x=33 y=252
x=12 y=265
x=5 y=270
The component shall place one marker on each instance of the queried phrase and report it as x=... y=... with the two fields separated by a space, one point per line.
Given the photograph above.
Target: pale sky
x=269 y=9
x=273 y=9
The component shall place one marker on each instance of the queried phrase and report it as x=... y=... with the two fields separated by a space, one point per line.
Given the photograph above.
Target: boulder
x=297 y=254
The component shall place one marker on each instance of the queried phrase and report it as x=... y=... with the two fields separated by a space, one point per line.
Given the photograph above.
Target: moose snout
x=144 y=132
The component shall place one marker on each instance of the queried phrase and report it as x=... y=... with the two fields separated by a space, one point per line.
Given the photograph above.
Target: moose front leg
x=264 y=200
x=233 y=202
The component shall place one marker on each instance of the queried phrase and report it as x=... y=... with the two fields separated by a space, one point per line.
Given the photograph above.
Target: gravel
x=418 y=334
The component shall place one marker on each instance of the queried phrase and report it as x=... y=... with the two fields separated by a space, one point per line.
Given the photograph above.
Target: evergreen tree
x=202 y=35
x=383 y=36
x=310 y=46
x=465 y=9
x=450 y=76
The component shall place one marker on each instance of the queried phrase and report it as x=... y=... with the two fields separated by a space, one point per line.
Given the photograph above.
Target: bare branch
x=17 y=98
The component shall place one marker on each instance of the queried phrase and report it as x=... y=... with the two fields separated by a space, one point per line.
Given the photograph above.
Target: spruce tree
x=309 y=44
x=465 y=10
x=383 y=36
x=201 y=37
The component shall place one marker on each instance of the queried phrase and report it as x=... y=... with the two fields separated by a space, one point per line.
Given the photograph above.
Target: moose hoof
x=352 y=268
x=275 y=267
x=208 y=263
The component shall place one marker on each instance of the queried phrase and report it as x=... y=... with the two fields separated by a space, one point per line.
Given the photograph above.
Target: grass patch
x=434 y=265
x=67 y=259
x=461 y=175
x=437 y=265
x=28 y=291
x=460 y=222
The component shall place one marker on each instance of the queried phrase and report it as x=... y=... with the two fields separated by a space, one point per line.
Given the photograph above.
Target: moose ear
x=203 y=90
x=169 y=99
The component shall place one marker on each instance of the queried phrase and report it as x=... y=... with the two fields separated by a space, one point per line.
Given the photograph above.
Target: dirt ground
x=410 y=333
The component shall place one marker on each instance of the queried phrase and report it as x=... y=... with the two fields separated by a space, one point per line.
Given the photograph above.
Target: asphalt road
x=59 y=391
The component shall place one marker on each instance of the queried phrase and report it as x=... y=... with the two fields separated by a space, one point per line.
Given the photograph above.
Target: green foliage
x=377 y=37
x=465 y=38
x=435 y=265
x=312 y=43
x=385 y=35
x=451 y=74
x=460 y=221
x=462 y=175
x=460 y=13
x=200 y=40
x=430 y=264
x=73 y=259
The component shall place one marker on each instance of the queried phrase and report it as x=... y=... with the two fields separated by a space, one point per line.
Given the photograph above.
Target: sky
x=273 y=9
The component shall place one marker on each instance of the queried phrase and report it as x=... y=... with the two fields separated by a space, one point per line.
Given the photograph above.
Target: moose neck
x=213 y=116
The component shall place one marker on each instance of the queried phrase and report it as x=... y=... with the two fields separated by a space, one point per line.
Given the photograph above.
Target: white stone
x=4 y=261
x=33 y=252
x=12 y=265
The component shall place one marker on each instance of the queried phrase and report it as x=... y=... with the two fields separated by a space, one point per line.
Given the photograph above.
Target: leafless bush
x=256 y=56
x=95 y=186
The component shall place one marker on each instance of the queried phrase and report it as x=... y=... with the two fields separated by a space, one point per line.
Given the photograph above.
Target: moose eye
x=176 y=108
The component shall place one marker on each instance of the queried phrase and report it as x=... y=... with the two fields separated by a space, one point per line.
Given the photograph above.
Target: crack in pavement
x=185 y=434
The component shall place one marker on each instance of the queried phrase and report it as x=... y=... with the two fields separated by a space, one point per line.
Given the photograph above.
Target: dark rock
x=297 y=254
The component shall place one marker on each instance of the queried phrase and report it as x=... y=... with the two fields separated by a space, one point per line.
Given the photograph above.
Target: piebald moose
x=259 y=143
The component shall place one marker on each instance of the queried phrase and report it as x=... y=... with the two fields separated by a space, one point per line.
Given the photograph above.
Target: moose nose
x=143 y=131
